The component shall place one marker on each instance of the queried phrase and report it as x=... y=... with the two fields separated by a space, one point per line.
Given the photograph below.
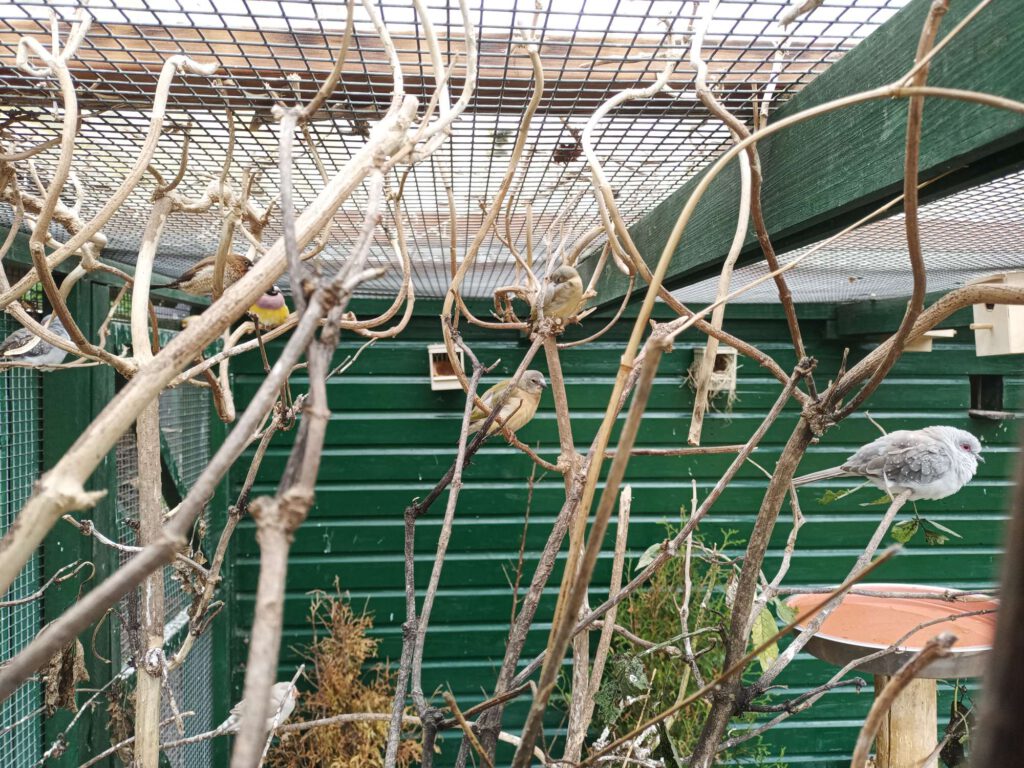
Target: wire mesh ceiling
x=965 y=236
x=272 y=52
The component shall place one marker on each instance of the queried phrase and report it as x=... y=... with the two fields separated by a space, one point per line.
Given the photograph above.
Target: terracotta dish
x=862 y=624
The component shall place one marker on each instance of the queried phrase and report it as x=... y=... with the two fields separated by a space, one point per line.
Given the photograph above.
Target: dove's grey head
x=965 y=445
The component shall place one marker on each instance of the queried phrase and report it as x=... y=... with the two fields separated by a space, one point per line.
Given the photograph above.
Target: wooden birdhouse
x=999 y=328
x=442 y=374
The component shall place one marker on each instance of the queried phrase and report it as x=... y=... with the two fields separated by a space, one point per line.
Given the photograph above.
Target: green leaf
x=942 y=528
x=829 y=496
x=904 y=531
x=934 y=539
x=879 y=502
x=783 y=611
x=764 y=627
x=648 y=556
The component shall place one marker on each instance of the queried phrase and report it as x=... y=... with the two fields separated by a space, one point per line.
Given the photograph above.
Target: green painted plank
x=391 y=437
x=822 y=174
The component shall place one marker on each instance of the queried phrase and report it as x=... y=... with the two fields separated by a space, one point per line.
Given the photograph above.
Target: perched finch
x=519 y=407
x=562 y=294
x=282 y=697
x=23 y=346
x=198 y=280
x=929 y=463
x=270 y=309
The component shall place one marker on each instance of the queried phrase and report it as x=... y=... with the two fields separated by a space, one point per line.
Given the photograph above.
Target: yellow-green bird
x=562 y=295
x=518 y=409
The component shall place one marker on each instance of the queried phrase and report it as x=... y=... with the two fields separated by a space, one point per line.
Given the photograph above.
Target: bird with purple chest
x=270 y=309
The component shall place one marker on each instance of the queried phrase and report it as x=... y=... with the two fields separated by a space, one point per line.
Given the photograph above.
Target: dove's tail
x=824 y=474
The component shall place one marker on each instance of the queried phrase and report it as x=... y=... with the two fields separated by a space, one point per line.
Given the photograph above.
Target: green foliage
x=905 y=530
x=648 y=556
x=764 y=627
x=881 y=501
x=640 y=683
x=783 y=611
x=624 y=678
x=829 y=496
x=935 y=534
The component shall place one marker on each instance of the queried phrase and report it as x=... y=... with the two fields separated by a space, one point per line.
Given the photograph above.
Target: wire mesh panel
x=270 y=52
x=965 y=236
x=185 y=450
x=20 y=461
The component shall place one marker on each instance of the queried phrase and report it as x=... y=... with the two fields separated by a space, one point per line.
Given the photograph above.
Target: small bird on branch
x=560 y=297
x=929 y=463
x=198 y=279
x=519 y=407
x=270 y=309
x=23 y=346
x=282 y=699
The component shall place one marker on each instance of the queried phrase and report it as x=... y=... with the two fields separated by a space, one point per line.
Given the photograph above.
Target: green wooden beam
x=883 y=316
x=825 y=173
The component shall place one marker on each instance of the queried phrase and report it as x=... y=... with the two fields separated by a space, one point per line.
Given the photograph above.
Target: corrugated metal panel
x=390 y=438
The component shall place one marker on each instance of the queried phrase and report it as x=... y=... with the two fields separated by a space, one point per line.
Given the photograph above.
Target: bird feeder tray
x=862 y=624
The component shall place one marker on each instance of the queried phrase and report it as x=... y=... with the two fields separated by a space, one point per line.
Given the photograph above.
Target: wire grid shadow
x=185 y=438
x=21 y=424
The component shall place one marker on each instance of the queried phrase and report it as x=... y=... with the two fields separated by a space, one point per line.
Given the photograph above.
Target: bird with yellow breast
x=519 y=407
x=560 y=297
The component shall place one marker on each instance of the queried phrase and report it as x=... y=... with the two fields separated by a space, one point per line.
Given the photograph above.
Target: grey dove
x=23 y=346
x=929 y=463
x=282 y=698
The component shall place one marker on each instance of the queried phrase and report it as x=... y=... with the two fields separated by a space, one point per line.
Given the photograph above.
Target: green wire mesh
x=185 y=449
x=20 y=461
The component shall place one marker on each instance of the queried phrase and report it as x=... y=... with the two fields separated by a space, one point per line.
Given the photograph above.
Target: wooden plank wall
x=390 y=437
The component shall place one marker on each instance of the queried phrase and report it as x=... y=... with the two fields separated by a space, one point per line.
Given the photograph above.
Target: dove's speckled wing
x=902 y=458
x=18 y=339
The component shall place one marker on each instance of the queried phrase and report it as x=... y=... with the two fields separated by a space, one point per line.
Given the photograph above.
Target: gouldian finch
x=562 y=294
x=23 y=346
x=519 y=407
x=270 y=309
x=198 y=280
x=282 y=699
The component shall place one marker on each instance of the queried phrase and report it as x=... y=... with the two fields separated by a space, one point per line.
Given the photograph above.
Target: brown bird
x=562 y=295
x=519 y=407
x=198 y=280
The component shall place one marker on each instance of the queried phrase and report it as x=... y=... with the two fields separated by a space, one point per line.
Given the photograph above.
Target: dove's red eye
x=966 y=446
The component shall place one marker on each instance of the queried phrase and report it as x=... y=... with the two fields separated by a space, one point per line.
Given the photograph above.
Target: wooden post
x=908 y=733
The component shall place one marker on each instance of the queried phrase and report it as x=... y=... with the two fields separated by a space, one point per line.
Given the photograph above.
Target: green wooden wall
x=390 y=437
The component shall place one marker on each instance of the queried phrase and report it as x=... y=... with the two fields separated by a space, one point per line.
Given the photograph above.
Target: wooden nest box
x=999 y=328
x=442 y=374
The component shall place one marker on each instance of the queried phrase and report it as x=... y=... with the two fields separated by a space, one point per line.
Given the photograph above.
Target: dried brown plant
x=336 y=659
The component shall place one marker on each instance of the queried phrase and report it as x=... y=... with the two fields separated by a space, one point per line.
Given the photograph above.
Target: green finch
x=561 y=296
x=198 y=280
x=519 y=407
